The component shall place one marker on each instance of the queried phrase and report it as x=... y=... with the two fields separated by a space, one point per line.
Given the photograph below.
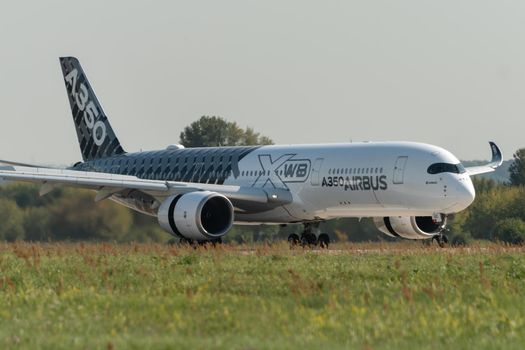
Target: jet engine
x=200 y=215
x=411 y=227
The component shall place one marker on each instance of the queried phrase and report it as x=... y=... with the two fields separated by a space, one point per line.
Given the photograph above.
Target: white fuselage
x=354 y=180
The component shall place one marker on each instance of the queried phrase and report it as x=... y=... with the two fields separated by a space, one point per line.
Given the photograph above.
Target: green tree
x=517 y=168
x=11 y=221
x=510 y=230
x=26 y=195
x=216 y=131
x=250 y=137
x=483 y=184
x=487 y=209
x=75 y=216
x=37 y=224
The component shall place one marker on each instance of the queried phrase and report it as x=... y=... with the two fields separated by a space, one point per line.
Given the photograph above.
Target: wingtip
x=497 y=157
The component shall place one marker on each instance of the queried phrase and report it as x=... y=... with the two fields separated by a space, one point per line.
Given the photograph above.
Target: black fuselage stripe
x=200 y=165
x=389 y=227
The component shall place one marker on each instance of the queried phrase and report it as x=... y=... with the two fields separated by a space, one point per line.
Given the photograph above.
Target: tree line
x=498 y=213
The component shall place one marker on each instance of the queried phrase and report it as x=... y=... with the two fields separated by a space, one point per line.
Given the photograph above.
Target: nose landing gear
x=308 y=238
x=441 y=239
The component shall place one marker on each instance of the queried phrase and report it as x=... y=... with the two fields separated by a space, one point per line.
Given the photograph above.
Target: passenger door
x=399 y=170
x=315 y=177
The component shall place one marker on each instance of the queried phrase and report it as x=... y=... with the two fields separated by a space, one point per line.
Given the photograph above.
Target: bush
x=11 y=221
x=37 y=224
x=27 y=195
x=460 y=238
x=76 y=216
x=510 y=230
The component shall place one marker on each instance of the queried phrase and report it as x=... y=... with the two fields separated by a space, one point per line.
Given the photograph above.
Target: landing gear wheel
x=294 y=239
x=441 y=239
x=323 y=240
x=308 y=239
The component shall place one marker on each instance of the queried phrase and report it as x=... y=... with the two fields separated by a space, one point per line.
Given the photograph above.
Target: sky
x=448 y=72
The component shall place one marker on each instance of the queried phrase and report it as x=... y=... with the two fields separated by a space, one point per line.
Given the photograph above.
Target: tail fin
x=95 y=135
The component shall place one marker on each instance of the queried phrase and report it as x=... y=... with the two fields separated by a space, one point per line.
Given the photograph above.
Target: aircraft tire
x=293 y=239
x=323 y=240
x=308 y=239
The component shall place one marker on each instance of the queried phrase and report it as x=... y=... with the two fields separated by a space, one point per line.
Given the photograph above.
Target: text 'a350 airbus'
x=197 y=194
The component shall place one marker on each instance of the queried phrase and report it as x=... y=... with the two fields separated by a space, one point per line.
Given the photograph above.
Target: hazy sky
x=446 y=72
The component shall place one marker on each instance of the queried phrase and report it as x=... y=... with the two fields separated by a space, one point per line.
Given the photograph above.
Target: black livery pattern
x=91 y=123
x=198 y=165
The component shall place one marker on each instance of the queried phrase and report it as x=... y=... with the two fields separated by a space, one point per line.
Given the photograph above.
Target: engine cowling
x=410 y=227
x=200 y=215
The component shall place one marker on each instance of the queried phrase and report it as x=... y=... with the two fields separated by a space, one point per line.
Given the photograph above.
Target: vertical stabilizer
x=95 y=135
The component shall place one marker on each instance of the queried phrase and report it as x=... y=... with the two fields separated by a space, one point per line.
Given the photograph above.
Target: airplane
x=409 y=189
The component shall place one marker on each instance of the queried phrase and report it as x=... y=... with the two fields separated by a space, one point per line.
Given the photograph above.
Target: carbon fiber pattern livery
x=197 y=165
x=95 y=135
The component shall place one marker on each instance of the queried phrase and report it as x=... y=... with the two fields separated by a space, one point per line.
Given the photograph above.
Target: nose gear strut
x=441 y=238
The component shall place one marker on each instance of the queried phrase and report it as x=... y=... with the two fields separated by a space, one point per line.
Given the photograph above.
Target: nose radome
x=466 y=193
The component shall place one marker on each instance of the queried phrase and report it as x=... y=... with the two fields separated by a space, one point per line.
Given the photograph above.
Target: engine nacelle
x=411 y=227
x=200 y=216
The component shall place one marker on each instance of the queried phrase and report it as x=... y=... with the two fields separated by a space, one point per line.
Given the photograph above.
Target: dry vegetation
x=377 y=295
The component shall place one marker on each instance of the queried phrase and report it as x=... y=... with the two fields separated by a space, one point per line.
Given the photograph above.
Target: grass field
x=368 y=296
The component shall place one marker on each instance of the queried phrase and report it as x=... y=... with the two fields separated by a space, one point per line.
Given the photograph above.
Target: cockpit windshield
x=438 y=168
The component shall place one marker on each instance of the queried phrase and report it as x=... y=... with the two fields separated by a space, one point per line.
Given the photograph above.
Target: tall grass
x=373 y=296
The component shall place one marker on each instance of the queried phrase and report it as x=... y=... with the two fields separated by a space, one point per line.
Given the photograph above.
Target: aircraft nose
x=465 y=193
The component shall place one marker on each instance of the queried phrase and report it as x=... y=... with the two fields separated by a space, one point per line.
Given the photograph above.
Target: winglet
x=497 y=158
x=496 y=161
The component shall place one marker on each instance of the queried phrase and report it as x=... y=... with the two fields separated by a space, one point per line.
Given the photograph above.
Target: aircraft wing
x=107 y=184
x=496 y=161
x=8 y=162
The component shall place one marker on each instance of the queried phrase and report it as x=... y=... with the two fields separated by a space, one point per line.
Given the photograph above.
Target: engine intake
x=201 y=216
x=411 y=227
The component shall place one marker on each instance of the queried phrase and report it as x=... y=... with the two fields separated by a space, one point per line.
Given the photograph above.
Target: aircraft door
x=399 y=170
x=316 y=172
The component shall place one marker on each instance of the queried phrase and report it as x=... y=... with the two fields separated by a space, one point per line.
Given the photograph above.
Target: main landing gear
x=441 y=239
x=308 y=238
